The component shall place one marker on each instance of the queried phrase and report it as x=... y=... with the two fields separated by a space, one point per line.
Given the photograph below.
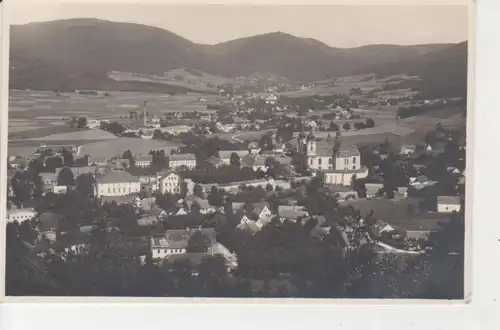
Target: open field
x=94 y=134
x=194 y=80
x=366 y=82
x=242 y=136
x=396 y=213
x=45 y=111
x=117 y=147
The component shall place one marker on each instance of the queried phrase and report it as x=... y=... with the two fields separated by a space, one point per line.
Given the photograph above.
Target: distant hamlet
x=143 y=164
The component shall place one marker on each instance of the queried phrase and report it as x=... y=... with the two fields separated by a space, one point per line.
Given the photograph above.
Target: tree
x=265 y=142
x=85 y=184
x=68 y=157
x=65 y=177
x=52 y=163
x=198 y=191
x=359 y=126
x=127 y=154
x=369 y=122
x=82 y=122
x=346 y=126
x=234 y=159
x=198 y=242
x=215 y=197
x=269 y=187
x=333 y=127
x=157 y=134
x=73 y=122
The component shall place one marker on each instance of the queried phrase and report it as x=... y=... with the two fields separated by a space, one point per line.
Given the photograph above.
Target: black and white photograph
x=237 y=151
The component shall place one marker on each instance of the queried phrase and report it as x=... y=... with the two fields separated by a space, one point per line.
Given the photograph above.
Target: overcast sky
x=338 y=26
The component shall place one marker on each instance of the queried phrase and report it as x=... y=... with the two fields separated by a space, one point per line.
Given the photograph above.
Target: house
x=117 y=183
x=49 y=180
x=176 y=241
x=18 y=163
x=247 y=224
x=293 y=215
x=202 y=204
x=171 y=183
x=98 y=161
x=373 y=189
x=448 y=204
x=254 y=148
x=21 y=214
x=407 y=149
x=47 y=226
x=176 y=130
x=59 y=190
x=271 y=99
x=144 y=204
x=143 y=161
x=178 y=160
x=147 y=220
x=119 y=163
x=420 y=182
x=225 y=155
x=261 y=210
x=311 y=125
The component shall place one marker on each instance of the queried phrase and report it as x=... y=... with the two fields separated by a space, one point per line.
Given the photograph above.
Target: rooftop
x=450 y=200
x=117 y=177
x=178 y=238
x=176 y=157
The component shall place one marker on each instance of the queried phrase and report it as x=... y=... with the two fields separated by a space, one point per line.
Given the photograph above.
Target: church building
x=338 y=162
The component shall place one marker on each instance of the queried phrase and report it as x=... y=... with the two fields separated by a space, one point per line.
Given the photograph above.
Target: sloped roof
x=117 y=177
x=249 y=226
x=348 y=151
x=178 y=238
x=450 y=200
x=176 y=157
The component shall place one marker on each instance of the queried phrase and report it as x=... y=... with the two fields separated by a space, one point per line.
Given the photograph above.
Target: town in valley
x=185 y=183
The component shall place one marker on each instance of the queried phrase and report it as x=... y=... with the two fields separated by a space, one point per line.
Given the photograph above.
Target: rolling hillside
x=78 y=53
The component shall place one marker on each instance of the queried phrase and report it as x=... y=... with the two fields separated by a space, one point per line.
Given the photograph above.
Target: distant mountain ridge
x=79 y=52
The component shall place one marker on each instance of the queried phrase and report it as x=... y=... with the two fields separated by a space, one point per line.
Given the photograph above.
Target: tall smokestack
x=144 y=113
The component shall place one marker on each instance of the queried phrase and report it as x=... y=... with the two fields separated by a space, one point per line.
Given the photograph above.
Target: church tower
x=311 y=145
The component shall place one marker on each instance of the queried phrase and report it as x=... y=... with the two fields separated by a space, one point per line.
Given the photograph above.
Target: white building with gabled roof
x=117 y=183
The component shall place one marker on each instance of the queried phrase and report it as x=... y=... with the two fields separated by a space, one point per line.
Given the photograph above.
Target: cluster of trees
x=80 y=122
x=222 y=174
x=316 y=268
x=113 y=127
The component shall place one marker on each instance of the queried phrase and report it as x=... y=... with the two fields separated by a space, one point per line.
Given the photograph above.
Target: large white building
x=338 y=162
x=117 y=183
x=178 y=160
x=170 y=183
